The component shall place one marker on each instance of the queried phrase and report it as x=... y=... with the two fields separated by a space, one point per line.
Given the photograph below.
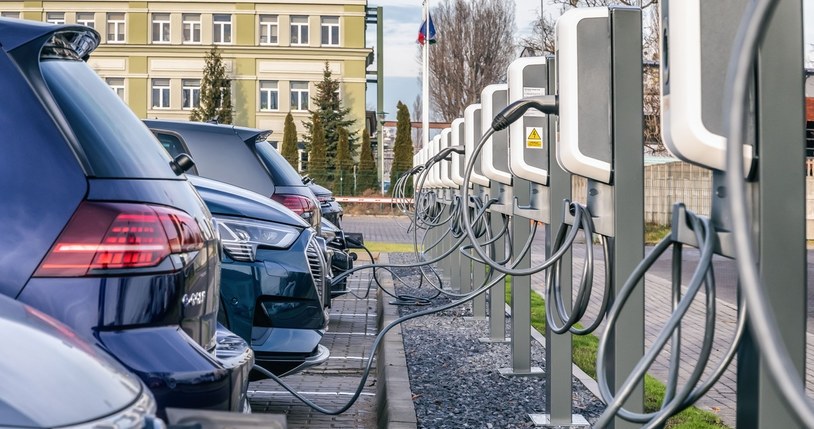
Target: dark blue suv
x=99 y=231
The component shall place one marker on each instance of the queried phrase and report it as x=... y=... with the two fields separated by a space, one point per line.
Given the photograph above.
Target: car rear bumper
x=179 y=372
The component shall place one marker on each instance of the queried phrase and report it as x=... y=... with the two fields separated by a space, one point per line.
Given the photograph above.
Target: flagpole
x=425 y=84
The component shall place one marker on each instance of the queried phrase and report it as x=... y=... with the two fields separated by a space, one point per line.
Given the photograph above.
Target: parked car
x=53 y=378
x=99 y=228
x=230 y=154
x=331 y=210
x=273 y=287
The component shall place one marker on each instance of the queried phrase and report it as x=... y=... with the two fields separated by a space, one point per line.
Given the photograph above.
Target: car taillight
x=115 y=236
x=299 y=204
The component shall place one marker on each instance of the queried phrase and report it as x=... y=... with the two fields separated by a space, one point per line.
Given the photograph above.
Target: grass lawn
x=379 y=246
x=584 y=356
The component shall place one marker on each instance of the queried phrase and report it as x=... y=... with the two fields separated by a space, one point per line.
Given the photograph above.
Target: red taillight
x=296 y=203
x=113 y=236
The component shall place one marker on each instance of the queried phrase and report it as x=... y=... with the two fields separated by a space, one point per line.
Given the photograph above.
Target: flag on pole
x=423 y=37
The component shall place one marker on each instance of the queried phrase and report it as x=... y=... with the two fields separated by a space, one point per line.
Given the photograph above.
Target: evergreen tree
x=366 y=176
x=332 y=115
x=289 y=149
x=216 y=92
x=402 y=150
x=344 y=165
x=317 y=162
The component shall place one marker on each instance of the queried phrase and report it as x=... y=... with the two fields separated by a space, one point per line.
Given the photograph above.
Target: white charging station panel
x=584 y=85
x=528 y=148
x=696 y=45
x=495 y=155
x=435 y=146
x=446 y=178
x=458 y=160
x=472 y=135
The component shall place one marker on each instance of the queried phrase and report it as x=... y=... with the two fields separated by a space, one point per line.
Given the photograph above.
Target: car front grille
x=316 y=263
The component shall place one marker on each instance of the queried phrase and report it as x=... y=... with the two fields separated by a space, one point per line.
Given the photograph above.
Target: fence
x=668 y=182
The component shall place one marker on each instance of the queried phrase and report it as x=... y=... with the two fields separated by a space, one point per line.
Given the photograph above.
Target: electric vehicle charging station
x=599 y=55
x=495 y=166
x=526 y=77
x=456 y=138
x=449 y=191
x=697 y=40
x=480 y=191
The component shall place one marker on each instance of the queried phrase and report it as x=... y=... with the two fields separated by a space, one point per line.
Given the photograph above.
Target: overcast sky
x=402 y=20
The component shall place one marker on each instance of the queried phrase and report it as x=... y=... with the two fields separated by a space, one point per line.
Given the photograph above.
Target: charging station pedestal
x=495 y=166
x=480 y=191
x=528 y=138
x=600 y=95
x=700 y=36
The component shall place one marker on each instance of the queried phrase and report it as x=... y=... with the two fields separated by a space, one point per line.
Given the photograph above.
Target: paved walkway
x=720 y=399
x=350 y=334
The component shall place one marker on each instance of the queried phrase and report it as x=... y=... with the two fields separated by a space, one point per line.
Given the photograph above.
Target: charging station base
x=577 y=420
x=495 y=340
x=535 y=371
x=471 y=318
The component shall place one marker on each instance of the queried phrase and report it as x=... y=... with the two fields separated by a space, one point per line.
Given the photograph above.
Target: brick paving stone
x=331 y=384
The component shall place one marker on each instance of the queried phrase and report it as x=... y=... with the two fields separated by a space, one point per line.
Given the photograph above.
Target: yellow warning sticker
x=534 y=139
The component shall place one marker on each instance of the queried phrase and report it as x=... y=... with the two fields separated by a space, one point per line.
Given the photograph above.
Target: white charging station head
x=457 y=166
x=435 y=146
x=584 y=85
x=495 y=155
x=696 y=44
x=446 y=178
x=472 y=135
x=528 y=148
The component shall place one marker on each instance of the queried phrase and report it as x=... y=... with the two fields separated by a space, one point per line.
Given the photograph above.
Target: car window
x=281 y=171
x=173 y=145
x=115 y=142
x=219 y=154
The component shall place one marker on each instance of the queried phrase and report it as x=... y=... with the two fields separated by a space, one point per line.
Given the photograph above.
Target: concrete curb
x=394 y=399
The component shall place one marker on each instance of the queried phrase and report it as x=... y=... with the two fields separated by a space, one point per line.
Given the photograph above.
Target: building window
x=15 y=15
x=299 y=96
x=269 y=95
x=115 y=27
x=330 y=31
x=299 y=30
x=268 y=29
x=222 y=31
x=88 y=19
x=161 y=93
x=117 y=85
x=192 y=27
x=192 y=93
x=161 y=28
x=55 y=17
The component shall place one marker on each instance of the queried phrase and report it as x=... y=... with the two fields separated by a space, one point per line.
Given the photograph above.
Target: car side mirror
x=181 y=164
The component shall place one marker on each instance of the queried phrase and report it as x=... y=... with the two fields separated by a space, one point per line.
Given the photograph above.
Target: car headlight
x=241 y=238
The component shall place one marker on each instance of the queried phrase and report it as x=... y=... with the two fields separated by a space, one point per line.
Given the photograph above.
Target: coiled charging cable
x=675 y=400
x=555 y=304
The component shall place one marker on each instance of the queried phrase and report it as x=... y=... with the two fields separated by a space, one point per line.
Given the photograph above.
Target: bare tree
x=475 y=46
x=542 y=42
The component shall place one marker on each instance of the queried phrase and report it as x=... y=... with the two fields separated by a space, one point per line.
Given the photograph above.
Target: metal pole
x=558 y=391
x=380 y=87
x=780 y=212
x=626 y=247
x=425 y=78
x=478 y=277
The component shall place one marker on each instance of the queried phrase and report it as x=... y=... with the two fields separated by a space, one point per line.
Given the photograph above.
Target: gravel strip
x=454 y=377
